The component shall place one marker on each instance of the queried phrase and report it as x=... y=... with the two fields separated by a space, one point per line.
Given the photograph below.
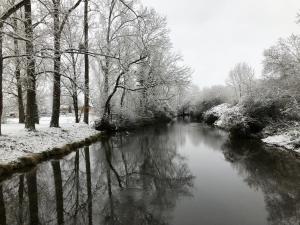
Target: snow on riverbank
x=225 y=116
x=17 y=141
x=289 y=139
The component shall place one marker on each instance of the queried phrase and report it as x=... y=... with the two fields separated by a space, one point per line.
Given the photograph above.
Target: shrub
x=203 y=106
x=263 y=109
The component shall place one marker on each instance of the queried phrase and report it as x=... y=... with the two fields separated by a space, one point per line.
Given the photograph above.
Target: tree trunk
x=74 y=87
x=18 y=76
x=57 y=30
x=106 y=83
x=57 y=62
x=31 y=106
x=86 y=64
x=75 y=105
x=1 y=75
x=58 y=192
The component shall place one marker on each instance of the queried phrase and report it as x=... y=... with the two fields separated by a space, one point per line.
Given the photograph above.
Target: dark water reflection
x=183 y=174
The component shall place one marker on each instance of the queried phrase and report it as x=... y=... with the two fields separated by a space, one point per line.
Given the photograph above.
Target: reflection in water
x=88 y=184
x=276 y=174
x=32 y=197
x=58 y=192
x=123 y=180
x=143 y=178
x=2 y=208
x=21 y=197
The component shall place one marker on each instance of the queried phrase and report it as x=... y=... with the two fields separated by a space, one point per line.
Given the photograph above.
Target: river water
x=178 y=174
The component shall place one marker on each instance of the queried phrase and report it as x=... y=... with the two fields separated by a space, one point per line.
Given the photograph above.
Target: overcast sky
x=214 y=35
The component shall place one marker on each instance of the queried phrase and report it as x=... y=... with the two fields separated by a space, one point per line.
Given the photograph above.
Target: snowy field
x=17 y=141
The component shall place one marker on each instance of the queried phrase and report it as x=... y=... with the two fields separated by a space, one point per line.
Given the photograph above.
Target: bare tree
x=10 y=11
x=241 y=79
x=18 y=74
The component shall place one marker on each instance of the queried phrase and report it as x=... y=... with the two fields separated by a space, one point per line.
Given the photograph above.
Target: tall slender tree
x=31 y=106
x=86 y=64
x=57 y=32
x=18 y=74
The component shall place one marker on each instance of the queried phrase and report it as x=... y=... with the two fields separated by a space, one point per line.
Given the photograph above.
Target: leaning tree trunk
x=31 y=106
x=57 y=63
x=86 y=65
x=18 y=76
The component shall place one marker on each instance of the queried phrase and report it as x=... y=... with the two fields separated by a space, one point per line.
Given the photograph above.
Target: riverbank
x=123 y=125
x=274 y=132
x=17 y=144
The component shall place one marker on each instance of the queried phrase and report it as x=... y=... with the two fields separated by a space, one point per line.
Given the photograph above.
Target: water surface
x=180 y=174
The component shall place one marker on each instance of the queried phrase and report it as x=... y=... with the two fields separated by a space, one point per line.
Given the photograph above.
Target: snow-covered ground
x=16 y=141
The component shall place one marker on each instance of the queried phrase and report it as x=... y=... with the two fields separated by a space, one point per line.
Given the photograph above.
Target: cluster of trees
x=115 y=55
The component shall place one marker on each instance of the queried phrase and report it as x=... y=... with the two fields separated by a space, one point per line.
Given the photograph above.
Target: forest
x=112 y=58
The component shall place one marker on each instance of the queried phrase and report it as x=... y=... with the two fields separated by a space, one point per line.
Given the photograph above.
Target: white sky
x=214 y=35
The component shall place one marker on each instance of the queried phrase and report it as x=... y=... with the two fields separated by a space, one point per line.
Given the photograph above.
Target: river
x=178 y=174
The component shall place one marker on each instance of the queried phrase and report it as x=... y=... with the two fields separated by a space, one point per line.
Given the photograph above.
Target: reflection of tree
x=88 y=184
x=76 y=181
x=275 y=173
x=58 y=192
x=133 y=179
x=154 y=174
x=2 y=208
x=21 y=199
x=32 y=197
x=210 y=136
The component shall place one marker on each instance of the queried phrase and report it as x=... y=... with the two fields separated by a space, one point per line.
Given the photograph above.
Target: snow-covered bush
x=234 y=119
x=201 y=107
x=213 y=115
